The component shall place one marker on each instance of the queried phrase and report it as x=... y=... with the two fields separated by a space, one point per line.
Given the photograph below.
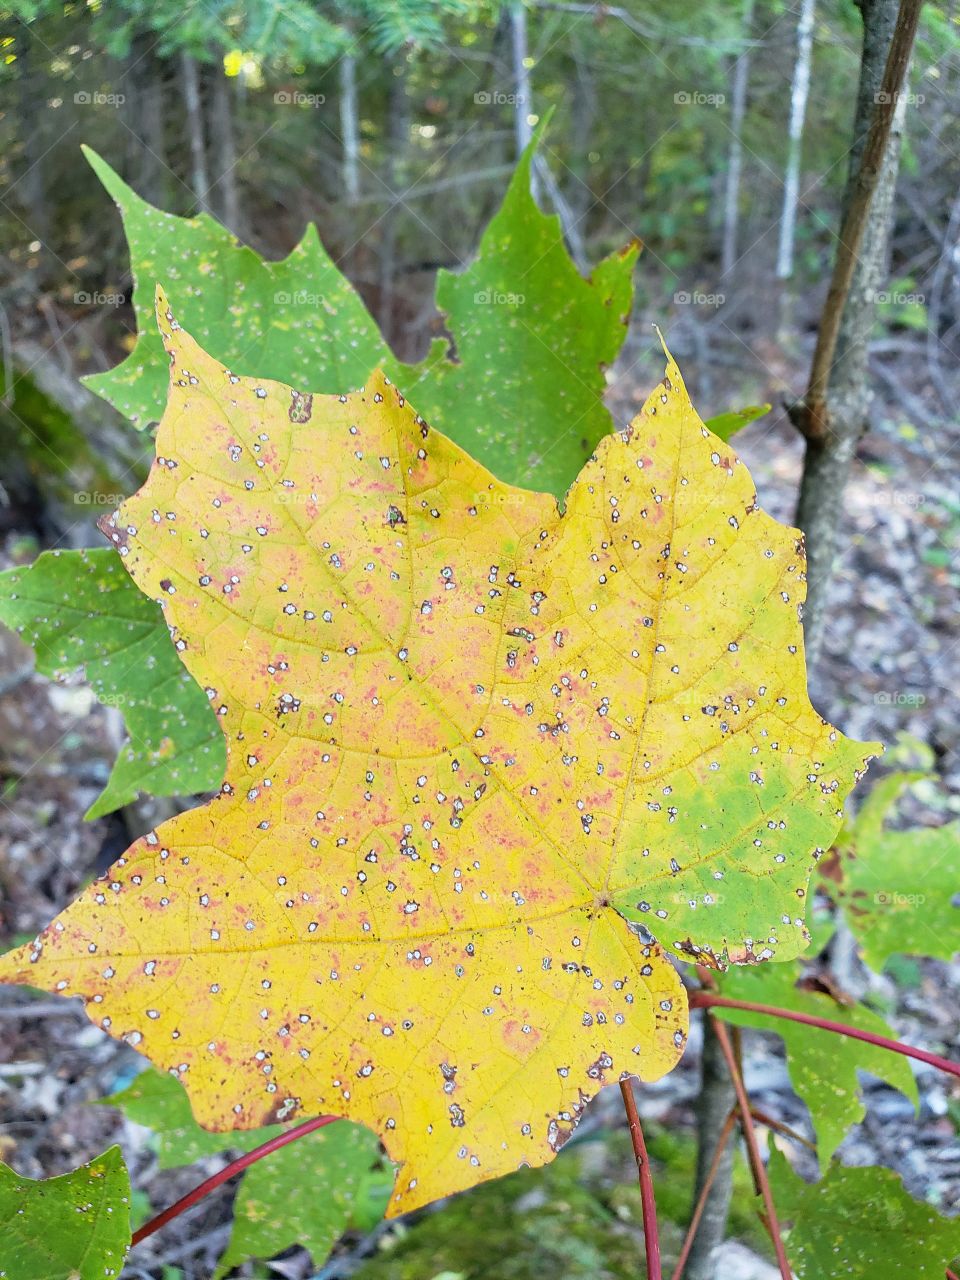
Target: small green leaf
x=80 y=609
x=159 y=1102
x=897 y=888
x=305 y=1194
x=822 y=1065
x=860 y=1224
x=532 y=338
x=308 y=1192
x=299 y=321
x=725 y=424
x=75 y=1227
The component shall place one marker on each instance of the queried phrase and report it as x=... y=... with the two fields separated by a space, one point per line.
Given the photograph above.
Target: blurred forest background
x=719 y=136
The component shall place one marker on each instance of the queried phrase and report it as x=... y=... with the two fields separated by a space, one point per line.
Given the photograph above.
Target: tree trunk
x=32 y=181
x=829 y=453
x=715 y=1102
x=738 y=108
x=398 y=139
x=223 y=148
x=799 y=93
x=350 y=127
x=523 y=98
x=199 y=178
x=540 y=172
x=143 y=88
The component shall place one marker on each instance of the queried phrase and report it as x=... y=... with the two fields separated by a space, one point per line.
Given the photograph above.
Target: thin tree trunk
x=833 y=416
x=144 y=114
x=199 y=177
x=523 y=98
x=32 y=184
x=223 y=148
x=738 y=108
x=540 y=172
x=350 y=127
x=799 y=93
x=398 y=138
x=714 y=1103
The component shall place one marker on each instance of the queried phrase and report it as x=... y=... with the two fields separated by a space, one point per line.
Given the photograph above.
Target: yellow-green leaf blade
x=400 y=907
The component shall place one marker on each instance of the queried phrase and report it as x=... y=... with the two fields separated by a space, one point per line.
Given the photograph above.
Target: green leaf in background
x=521 y=389
x=531 y=339
x=159 y=1102
x=822 y=1065
x=860 y=1224
x=725 y=424
x=304 y=1194
x=75 y=1227
x=81 y=609
x=299 y=321
x=897 y=889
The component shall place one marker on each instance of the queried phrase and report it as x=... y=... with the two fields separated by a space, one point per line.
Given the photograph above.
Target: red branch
x=753 y=1147
x=707 y=1000
x=227 y=1172
x=704 y=1195
x=651 y=1234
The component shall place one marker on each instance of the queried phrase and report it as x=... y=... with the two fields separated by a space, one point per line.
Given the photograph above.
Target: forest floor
x=888 y=671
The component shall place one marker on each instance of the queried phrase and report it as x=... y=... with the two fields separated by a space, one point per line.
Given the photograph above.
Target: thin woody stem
x=707 y=1000
x=750 y=1137
x=651 y=1234
x=771 y=1123
x=228 y=1171
x=704 y=1195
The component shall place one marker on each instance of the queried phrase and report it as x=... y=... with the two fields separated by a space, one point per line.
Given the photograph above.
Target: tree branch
x=228 y=1171
x=707 y=1000
x=704 y=1195
x=651 y=1234
x=756 y=1160
x=811 y=415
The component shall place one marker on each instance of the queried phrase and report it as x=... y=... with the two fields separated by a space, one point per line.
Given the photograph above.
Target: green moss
x=577 y=1218
x=45 y=444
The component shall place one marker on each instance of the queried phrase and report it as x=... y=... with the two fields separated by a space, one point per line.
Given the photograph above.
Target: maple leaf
x=487 y=765
x=75 y=1226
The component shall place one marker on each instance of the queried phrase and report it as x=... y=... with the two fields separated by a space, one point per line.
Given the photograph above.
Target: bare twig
x=753 y=1148
x=228 y=1171
x=707 y=1000
x=704 y=1195
x=651 y=1235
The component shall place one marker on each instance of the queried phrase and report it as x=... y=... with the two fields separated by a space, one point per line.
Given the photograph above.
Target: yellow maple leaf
x=487 y=764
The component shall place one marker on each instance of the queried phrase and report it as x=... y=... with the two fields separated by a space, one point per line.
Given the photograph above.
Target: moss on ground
x=577 y=1219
